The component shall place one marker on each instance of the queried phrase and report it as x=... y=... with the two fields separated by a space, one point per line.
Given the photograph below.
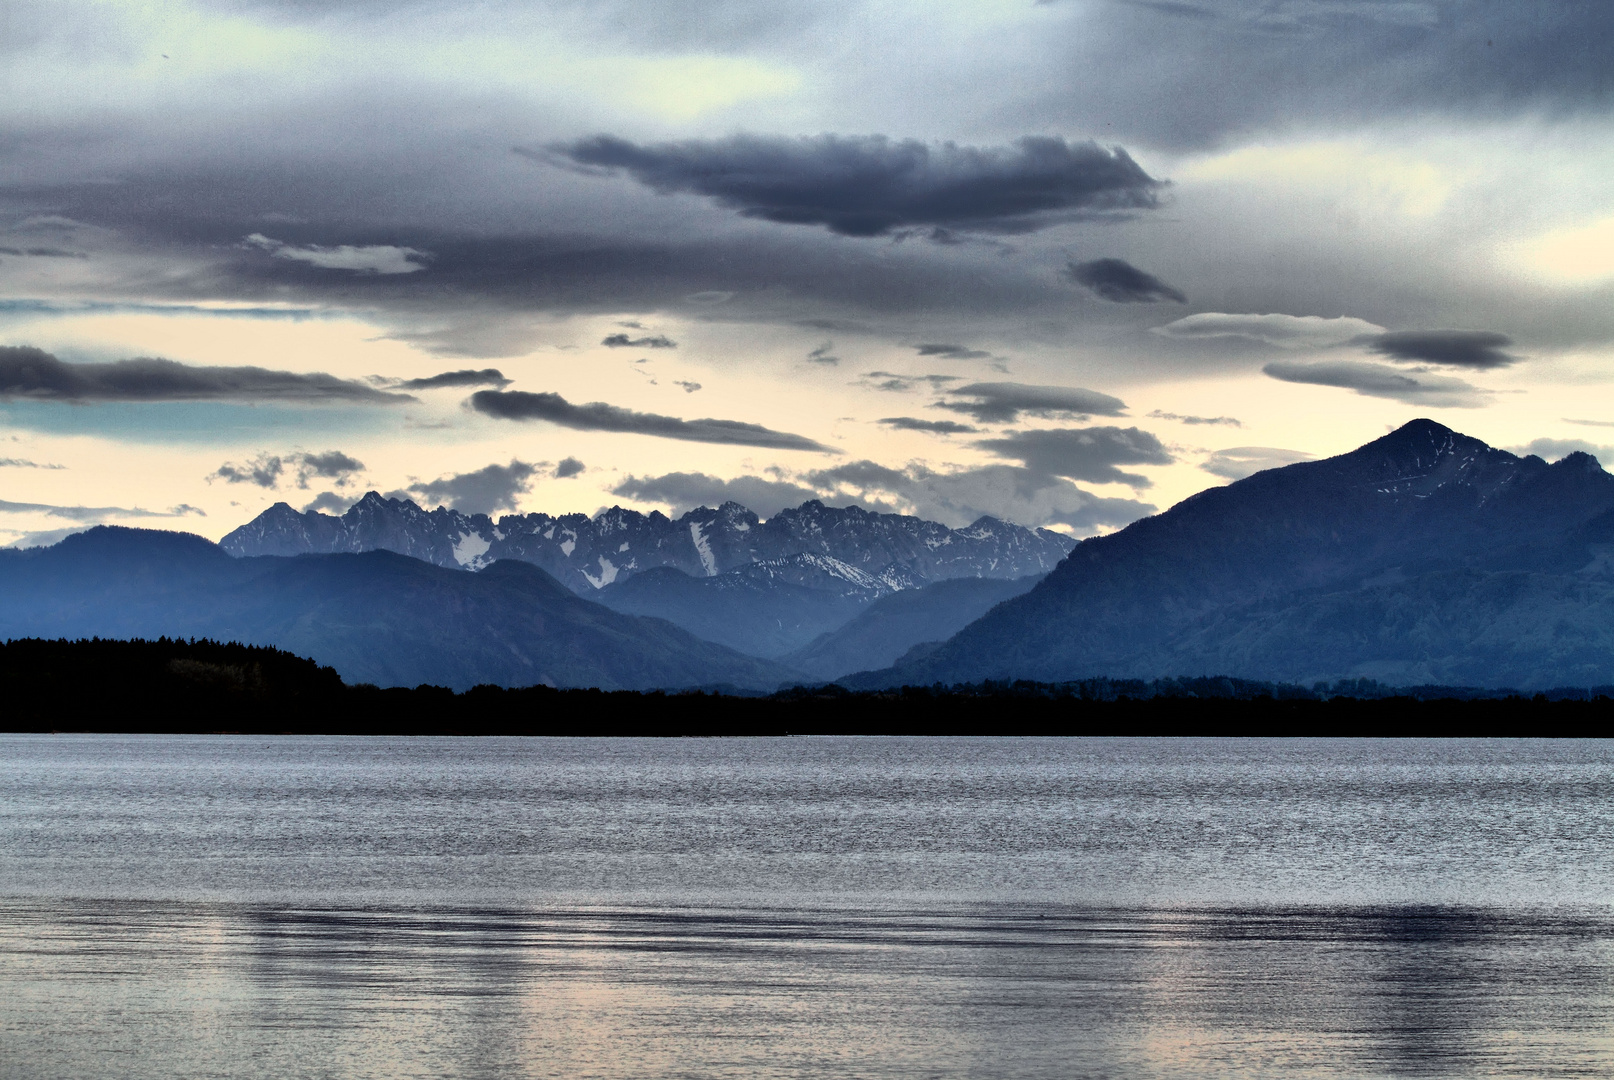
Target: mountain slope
x=588 y=554
x=762 y=609
x=1424 y=553
x=895 y=623
x=376 y=617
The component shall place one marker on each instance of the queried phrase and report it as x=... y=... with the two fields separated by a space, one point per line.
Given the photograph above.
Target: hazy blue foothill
x=1425 y=556
x=375 y=617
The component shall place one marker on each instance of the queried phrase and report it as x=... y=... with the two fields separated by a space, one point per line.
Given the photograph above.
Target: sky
x=1064 y=263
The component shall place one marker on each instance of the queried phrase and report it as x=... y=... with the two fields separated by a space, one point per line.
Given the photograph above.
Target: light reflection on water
x=903 y=908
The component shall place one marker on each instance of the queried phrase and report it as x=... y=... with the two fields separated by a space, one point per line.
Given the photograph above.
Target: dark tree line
x=171 y=685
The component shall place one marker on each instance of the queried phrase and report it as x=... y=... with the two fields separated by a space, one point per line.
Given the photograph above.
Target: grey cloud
x=92 y=514
x=872 y=185
x=31 y=373
x=938 y=427
x=1237 y=462
x=623 y=341
x=1382 y=380
x=1120 y=282
x=1553 y=449
x=568 y=467
x=1002 y=403
x=1456 y=348
x=822 y=354
x=1090 y=454
x=683 y=491
x=1284 y=331
x=24 y=463
x=329 y=502
x=1590 y=423
x=485 y=377
x=331 y=465
x=952 y=352
x=362 y=259
x=484 y=491
x=265 y=470
x=892 y=381
x=44 y=253
x=689 y=387
x=599 y=416
x=1008 y=492
x=1226 y=421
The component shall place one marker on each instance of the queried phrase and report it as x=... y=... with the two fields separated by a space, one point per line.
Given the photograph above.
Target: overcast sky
x=1060 y=262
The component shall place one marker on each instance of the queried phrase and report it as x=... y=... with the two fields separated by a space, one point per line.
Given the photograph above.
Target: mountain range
x=765 y=588
x=587 y=554
x=1425 y=556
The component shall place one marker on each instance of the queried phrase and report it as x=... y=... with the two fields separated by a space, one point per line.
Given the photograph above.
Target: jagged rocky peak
x=588 y=554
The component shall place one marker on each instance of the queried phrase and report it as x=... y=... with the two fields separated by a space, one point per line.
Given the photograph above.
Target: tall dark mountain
x=1424 y=556
x=892 y=625
x=376 y=617
x=586 y=554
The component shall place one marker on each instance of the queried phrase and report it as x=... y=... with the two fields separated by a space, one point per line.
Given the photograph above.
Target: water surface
x=210 y=906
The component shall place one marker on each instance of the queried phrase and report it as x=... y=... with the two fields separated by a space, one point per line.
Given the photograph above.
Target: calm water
x=288 y=907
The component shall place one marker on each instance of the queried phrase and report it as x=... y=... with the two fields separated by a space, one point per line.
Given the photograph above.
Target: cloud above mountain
x=33 y=374
x=599 y=416
x=484 y=491
x=1090 y=454
x=1004 y=402
x=1120 y=282
x=1382 y=380
x=1284 y=331
x=871 y=185
x=1458 y=348
x=1237 y=462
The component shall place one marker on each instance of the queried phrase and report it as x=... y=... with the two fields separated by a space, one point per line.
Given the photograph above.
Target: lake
x=874 y=907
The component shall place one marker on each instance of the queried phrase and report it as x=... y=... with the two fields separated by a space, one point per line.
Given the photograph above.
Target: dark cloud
x=568 y=467
x=96 y=513
x=331 y=465
x=890 y=380
x=1382 y=380
x=266 y=470
x=1237 y=462
x=1226 y=421
x=939 y=427
x=952 y=352
x=24 y=463
x=485 y=377
x=872 y=185
x=44 y=253
x=689 y=387
x=1002 y=403
x=1090 y=454
x=623 y=341
x=1120 y=282
x=1456 y=348
x=822 y=354
x=681 y=492
x=328 y=502
x=598 y=416
x=27 y=372
x=484 y=491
